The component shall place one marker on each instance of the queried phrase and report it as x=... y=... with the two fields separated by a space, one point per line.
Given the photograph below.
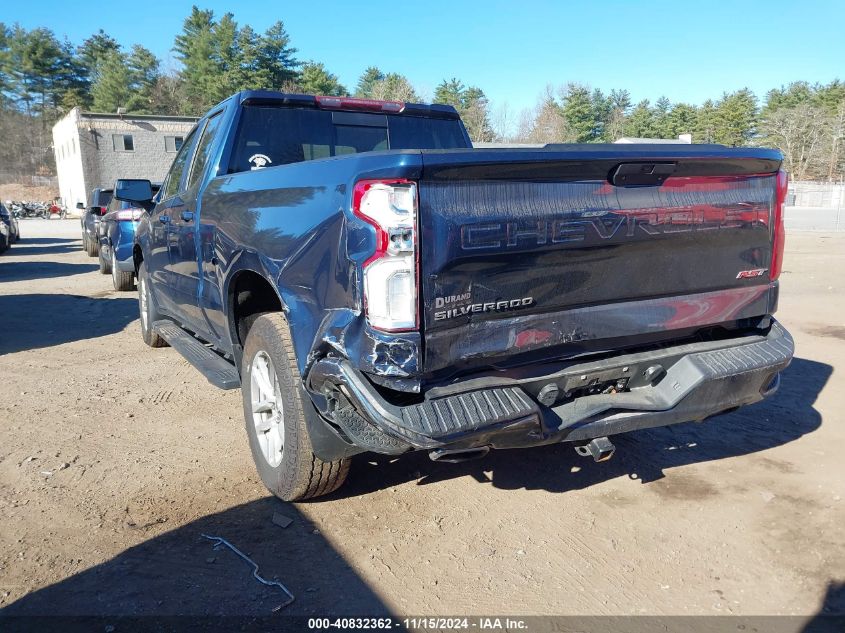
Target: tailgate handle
x=641 y=174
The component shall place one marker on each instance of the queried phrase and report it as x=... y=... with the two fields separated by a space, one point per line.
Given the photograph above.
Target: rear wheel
x=91 y=247
x=105 y=265
x=121 y=280
x=275 y=410
x=147 y=308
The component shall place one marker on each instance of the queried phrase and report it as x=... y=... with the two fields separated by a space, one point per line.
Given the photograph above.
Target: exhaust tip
x=600 y=449
x=458 y=455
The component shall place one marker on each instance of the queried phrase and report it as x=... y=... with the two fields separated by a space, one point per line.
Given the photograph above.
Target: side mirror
x=80 y=205
x=140 y=191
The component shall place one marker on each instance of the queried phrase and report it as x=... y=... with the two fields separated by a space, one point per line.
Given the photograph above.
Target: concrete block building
x=93 y=150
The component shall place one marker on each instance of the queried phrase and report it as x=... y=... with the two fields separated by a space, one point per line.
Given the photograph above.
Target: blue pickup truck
x=372 y=283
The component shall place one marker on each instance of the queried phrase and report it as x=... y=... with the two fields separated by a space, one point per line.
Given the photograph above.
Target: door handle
x=187 y=216
x=164 y=219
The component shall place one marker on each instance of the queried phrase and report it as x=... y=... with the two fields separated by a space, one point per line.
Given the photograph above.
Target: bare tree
x=837 y=134
x=802 y=134
x=548 y=125
x=394 y=87
x=502 y=121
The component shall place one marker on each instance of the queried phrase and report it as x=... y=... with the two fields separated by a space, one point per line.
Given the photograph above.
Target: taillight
x=132 y=215
x=351 y=103
x=778 y=231
x=390 y=273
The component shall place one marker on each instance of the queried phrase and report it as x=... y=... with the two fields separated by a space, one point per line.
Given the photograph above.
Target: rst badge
x=750 y=274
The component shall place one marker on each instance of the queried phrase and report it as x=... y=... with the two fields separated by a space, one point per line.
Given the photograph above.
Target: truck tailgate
x=537 y=252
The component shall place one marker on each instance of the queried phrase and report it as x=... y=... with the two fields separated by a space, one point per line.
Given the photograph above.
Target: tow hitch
x=600 y=449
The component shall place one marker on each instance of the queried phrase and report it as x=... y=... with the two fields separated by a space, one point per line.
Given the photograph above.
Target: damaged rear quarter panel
x=293 y=225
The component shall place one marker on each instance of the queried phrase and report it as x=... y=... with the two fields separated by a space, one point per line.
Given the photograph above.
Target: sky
x=688 y=51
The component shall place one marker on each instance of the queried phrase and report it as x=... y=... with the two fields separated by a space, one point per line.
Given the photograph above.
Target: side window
x=174 y=177
x=123 y=142
x=173 y=143
x=203 y=153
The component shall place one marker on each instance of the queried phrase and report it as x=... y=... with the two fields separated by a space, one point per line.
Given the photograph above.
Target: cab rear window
x=273 y=135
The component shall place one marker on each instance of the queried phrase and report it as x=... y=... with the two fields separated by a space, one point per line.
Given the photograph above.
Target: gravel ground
x=115 y=459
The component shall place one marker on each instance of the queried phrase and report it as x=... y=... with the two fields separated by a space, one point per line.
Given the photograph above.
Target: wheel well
x=250 y=296
x=137 y=258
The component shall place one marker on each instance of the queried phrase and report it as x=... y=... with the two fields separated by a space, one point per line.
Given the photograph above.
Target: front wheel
x=275 y=410
x=147 y=308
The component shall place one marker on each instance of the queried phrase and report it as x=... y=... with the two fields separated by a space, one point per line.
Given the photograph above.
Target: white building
x=683 y=139
x=93 y=150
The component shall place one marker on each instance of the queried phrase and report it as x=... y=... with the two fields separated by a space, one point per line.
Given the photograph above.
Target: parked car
x=96 y=209
x=12 y=231
x=5 y=236
x=116 y=237
x=374 y=284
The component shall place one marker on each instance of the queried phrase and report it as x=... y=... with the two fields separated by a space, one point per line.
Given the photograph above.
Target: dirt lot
x=116 y=458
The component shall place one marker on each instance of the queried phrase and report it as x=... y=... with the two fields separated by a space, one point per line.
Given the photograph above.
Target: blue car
x=116 y=237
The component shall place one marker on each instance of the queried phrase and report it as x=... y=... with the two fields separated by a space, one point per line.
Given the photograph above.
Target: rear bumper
x=691 y=382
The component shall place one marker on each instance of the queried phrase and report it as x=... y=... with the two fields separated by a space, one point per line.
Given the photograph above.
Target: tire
x=91 y=247
x=146 y=301
x=121 y=280
x=296 y=473
x=105 y=266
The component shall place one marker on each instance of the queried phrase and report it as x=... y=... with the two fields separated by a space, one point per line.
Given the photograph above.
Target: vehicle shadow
x=33 y=321
x=831 y=615
x=50 y=240
x=25 y=249
x=642 y=455
x=26 y=271
x=181 y=573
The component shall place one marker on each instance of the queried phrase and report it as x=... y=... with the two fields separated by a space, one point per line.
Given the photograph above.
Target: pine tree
x=195 y=48
x=244 y=69
x=143 y=75
x=367 y=81
x=277 y=56
x=602 y=111
x=641 y=123
x=5 y=55
x=579 y=114
x=661 y=117
x=681 y=119
x=112 y=87
x=39 y=71
x=705 y=126
x=475 y=114
x=88 y=56
x=471 y=103
x=315 y=79
x=620 y=104
x=735 y=118
x=450 y=92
